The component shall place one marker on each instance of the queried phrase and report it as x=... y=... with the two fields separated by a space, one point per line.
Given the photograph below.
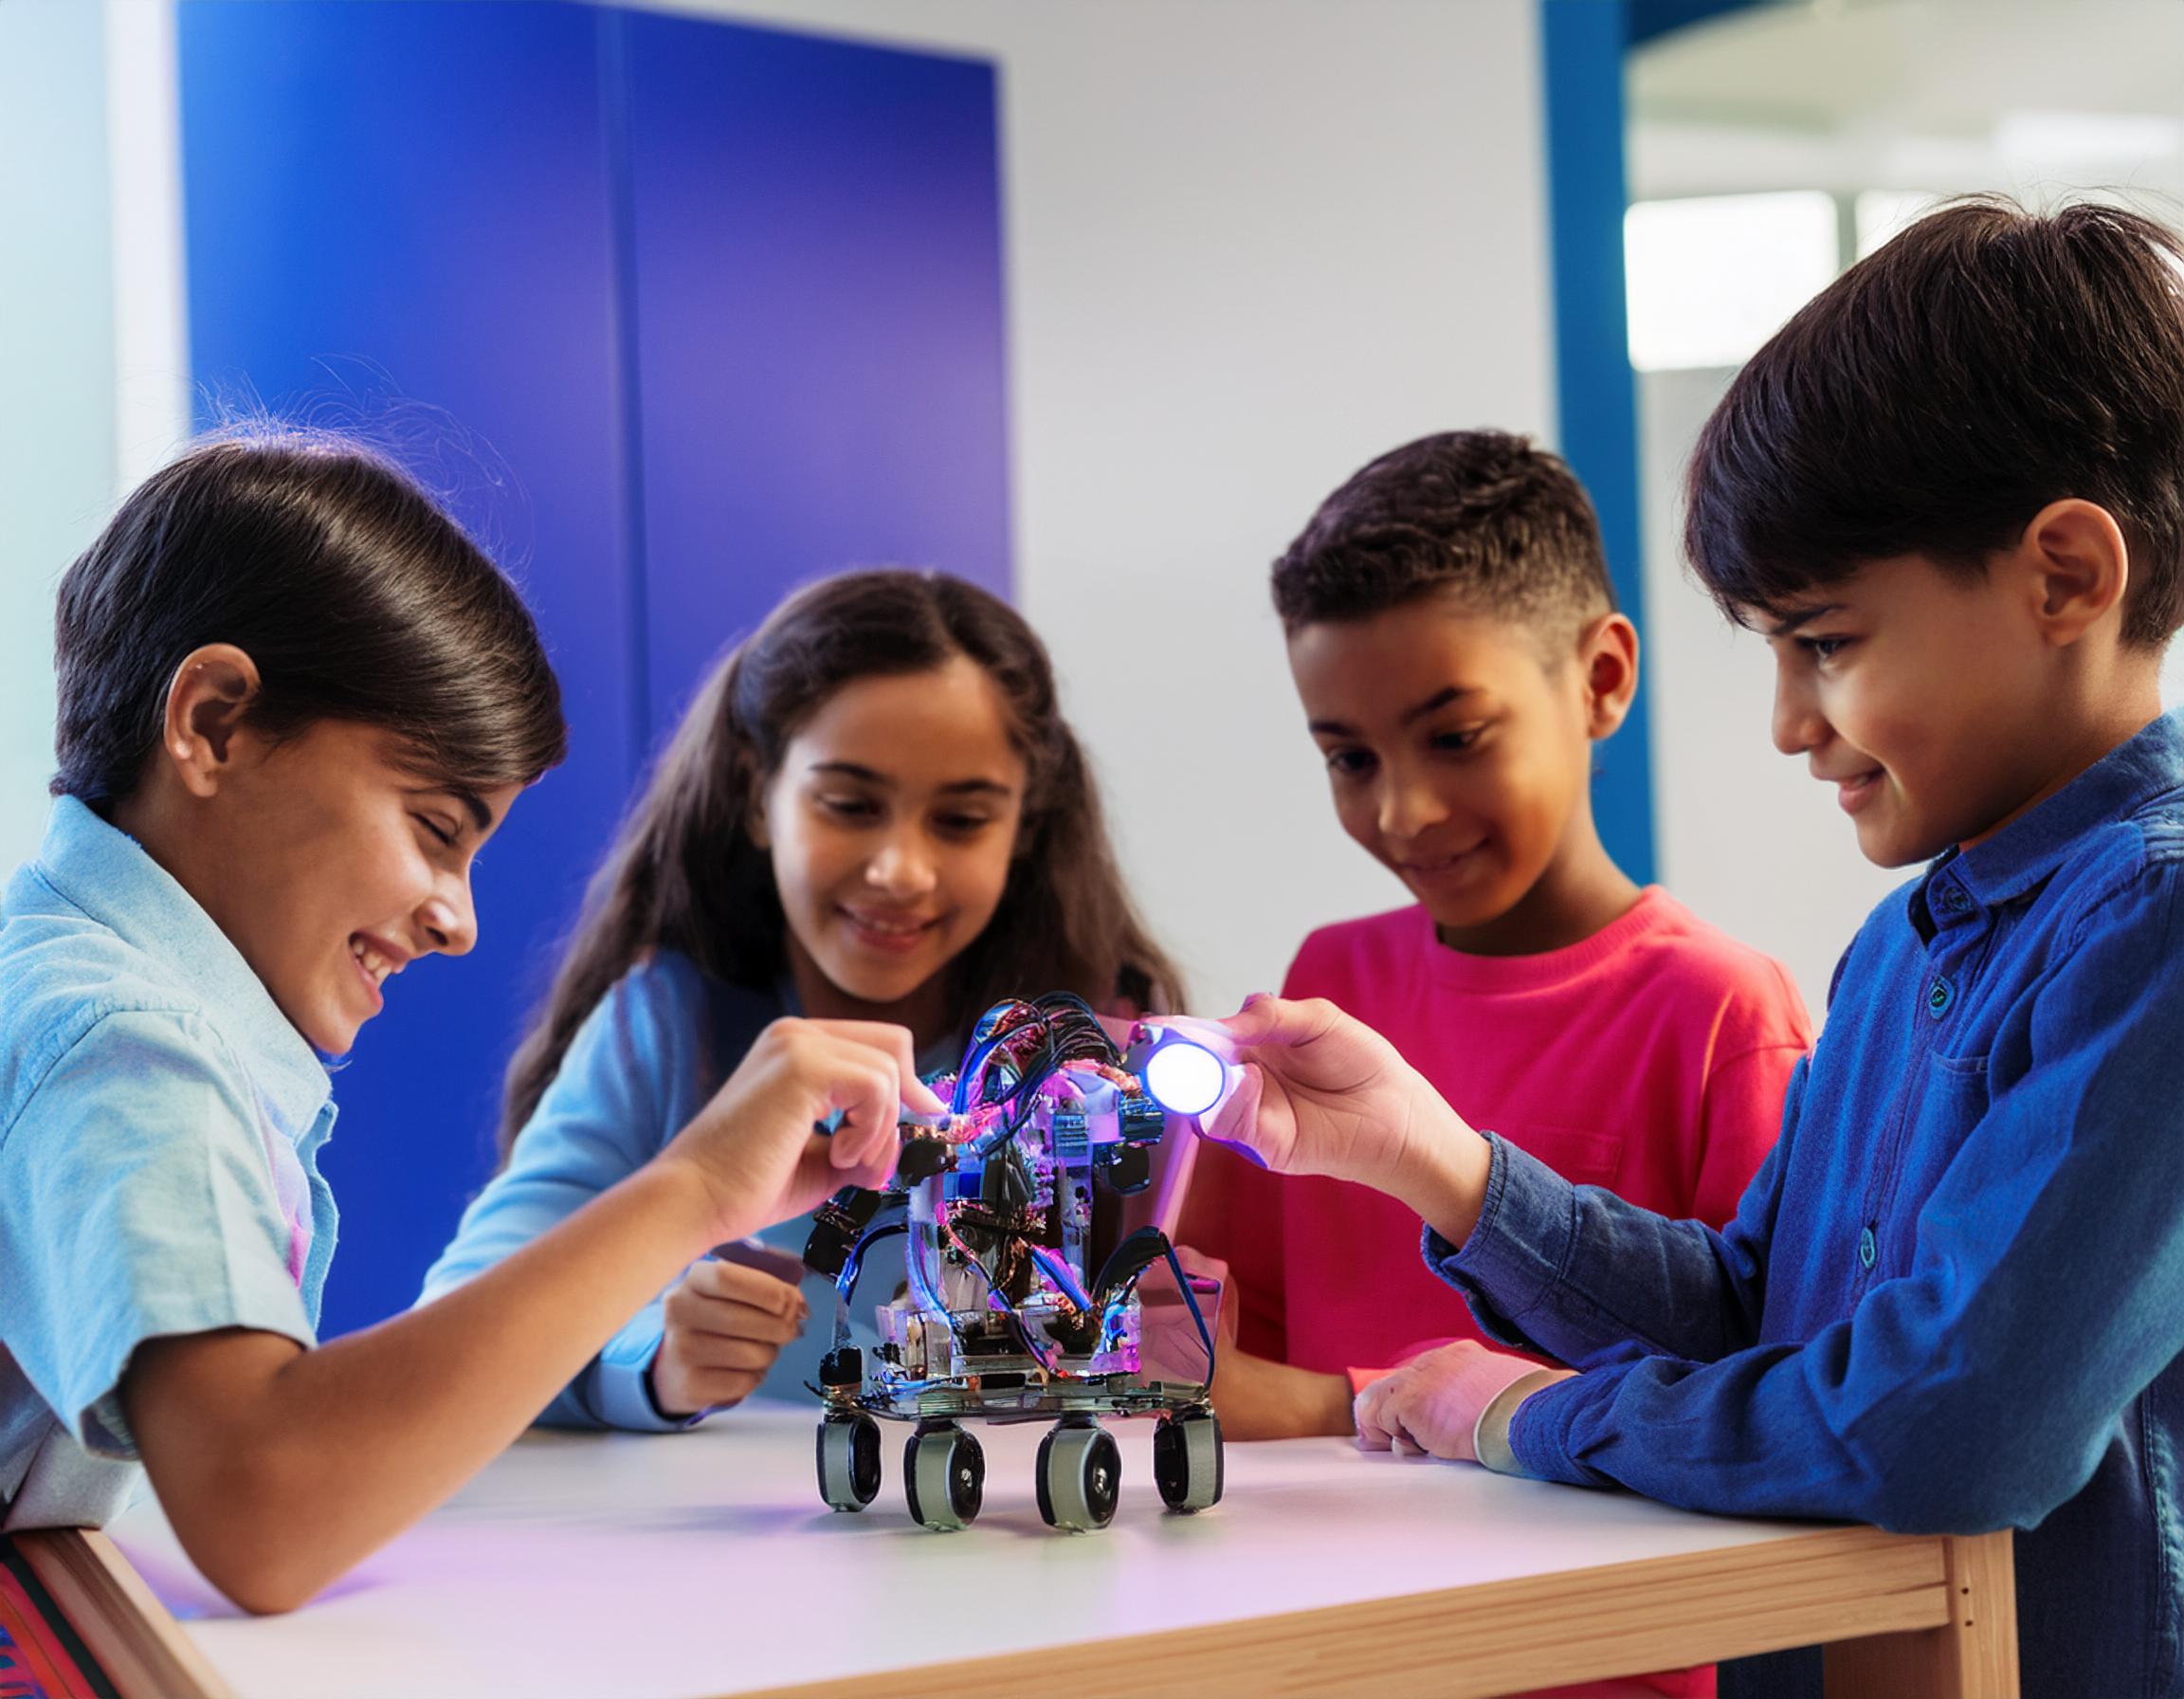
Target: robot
x=1003 y=1317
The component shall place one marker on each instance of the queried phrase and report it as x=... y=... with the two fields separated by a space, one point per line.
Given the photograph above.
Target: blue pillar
x=1581 y=48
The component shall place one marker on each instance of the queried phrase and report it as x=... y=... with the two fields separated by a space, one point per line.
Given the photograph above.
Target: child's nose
x=902 y=868
x=450 y=920
x=1409 y=807
x=1797 y=725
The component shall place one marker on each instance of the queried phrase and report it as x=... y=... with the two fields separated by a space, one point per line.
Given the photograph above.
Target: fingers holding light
x=1183 y=1073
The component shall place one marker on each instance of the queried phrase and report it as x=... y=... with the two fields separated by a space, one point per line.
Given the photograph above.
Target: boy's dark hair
x=357 y=597
x=1482 y=513
x=1938 y=394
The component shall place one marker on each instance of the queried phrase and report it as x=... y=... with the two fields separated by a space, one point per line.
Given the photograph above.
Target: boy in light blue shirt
x=294 y=702
x=166 y=1118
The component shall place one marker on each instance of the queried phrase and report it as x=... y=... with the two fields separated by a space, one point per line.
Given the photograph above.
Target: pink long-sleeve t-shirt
x=1651 y=1059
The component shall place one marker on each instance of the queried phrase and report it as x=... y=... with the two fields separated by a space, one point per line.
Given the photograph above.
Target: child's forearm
x=1444 y=1179
x=1259 y=1398
x=280 y=1468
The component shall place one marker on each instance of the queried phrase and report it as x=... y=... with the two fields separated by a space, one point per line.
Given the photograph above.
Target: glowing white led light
x=1185 y=1078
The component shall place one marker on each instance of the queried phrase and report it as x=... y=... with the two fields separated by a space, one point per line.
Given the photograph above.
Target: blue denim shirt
x=639 y=1069
x=160 y=1124
x=1953 y=1299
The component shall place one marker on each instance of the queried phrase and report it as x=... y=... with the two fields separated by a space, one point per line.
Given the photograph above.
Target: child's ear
x=1607 y=659
x=207 y=703
x=2076 y=565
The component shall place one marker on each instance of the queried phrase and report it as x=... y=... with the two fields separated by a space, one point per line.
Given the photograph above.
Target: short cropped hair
x=1503 y=524
x=357 y=598
x=1938 y=394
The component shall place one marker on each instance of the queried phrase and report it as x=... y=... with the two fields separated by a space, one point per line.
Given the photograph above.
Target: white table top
x=704 y=1562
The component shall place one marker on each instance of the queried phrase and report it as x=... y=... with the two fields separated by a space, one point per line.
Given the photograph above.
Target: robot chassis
x=998 y=1318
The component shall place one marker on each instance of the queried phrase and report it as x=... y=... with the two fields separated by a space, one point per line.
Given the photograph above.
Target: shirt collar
x=2031 y=846
x=107 y=874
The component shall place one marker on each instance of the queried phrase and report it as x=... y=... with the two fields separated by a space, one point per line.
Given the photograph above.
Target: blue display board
x=816 y=265
x=703 y=310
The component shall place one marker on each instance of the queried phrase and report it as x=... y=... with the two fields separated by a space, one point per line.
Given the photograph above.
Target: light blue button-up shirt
x=160 y=1124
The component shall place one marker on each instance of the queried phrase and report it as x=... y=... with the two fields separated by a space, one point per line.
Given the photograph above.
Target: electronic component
x=1000 y=1318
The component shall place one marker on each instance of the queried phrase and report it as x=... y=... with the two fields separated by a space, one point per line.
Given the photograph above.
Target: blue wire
x=845 y=1282
x=1057 y=1272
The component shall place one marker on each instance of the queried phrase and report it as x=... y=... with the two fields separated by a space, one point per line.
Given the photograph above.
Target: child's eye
x=445 y=837
x=849 y=808
x=962 y=824
x=1823 y=649
x=1350 y=764
x=1457 y=739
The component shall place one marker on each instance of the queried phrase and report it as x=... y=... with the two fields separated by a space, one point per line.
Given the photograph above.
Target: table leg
x=1972 y=1655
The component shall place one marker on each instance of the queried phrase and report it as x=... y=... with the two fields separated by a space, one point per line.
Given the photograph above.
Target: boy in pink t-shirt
x=1454 y=639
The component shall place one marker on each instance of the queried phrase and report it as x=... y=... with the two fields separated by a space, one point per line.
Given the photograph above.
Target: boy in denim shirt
x=1951 y=494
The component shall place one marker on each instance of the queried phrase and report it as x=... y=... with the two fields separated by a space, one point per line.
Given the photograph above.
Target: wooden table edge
x=131 y=1636
x=1827 y=1585
x=1819 y=1587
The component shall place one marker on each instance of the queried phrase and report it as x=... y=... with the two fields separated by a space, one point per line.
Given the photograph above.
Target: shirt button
x=1939 y=996
x=1867 y=1249
x=1953 y=900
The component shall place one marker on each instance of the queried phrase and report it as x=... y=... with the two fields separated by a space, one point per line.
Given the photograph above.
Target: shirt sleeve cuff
x=1491 y=1434
x=622 y=1383
x=1519 y=1248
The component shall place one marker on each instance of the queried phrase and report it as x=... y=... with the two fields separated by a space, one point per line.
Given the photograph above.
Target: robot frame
x=1001 y=1319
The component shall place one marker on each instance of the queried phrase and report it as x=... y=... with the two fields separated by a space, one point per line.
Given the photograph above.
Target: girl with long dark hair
x=873 y=809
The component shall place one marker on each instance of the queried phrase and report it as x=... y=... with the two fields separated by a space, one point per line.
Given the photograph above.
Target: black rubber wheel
x=848 y=1460
x=1080 y=1476
x=943 y=1476
x=1187 y=1461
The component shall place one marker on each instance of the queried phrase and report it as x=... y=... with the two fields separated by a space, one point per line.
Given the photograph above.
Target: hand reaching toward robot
x=1312 y=1091
x=753 y=1146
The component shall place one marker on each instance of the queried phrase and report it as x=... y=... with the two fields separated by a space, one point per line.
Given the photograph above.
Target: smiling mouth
x=1429 y=867
x=373 y=964
x=1852 y=794
x=890 y=932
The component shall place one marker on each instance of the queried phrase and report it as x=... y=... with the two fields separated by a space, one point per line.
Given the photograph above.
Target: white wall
x=56 y=366
x=94 y=391
x=1250 y=244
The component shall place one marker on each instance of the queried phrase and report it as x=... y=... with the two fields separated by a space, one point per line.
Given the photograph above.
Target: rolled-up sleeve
x=135 y=1202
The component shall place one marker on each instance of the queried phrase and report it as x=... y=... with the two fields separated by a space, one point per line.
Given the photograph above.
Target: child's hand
x=1432 y=1403
x=753 y=1146
x=727 y=1323
x=1323 y=1093
x=1170 y=1345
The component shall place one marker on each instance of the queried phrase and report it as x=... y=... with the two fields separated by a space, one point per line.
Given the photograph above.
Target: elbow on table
x=252 y=1535
x=1968 y=1478
x=256 y=1577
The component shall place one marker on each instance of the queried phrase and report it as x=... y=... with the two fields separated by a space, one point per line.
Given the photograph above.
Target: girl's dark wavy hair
x=1931 y=400
x=357 y=598
x=684 y=873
